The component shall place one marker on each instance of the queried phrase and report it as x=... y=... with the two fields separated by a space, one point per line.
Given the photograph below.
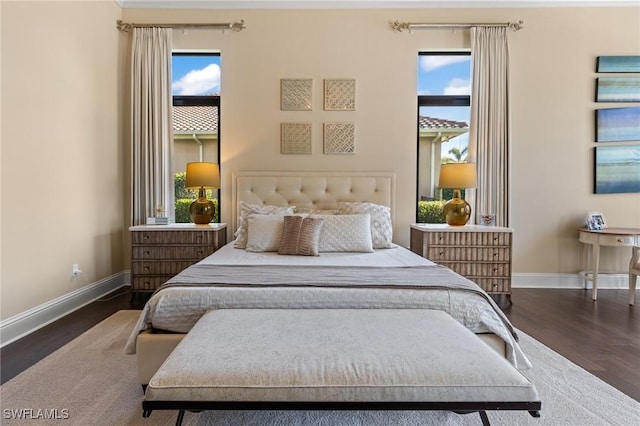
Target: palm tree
x=458 y=155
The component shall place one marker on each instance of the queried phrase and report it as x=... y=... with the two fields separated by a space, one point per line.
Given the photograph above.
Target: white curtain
x=490 y=135
x=151 y=124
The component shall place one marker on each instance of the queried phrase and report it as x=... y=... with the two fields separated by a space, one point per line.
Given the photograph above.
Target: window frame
x=202 y=100
x=436 y=101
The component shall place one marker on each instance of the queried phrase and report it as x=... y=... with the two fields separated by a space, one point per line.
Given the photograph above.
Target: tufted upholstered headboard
x=320 y=190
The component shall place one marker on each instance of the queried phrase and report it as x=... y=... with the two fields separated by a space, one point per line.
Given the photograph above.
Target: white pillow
x=264 y=232
x=346 y=233
x=246 y=210
x=381 y=228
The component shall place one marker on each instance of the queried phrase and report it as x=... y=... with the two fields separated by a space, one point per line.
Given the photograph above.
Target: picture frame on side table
x=595 y=221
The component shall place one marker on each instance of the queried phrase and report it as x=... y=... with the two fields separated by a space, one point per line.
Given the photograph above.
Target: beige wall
x=553 y=79
x=63 y=103
x=62 y=164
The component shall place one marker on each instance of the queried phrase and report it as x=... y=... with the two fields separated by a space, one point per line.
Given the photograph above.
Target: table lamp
x=202 y=176
x=456 y=176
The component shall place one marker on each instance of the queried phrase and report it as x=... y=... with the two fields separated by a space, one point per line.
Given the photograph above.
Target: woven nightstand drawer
x=142 y=283
x=479 y=269
x=493 y=285
x=173 y=237
x=171 y=252
x=469 y=254
x=482 y=239
x=159 y=267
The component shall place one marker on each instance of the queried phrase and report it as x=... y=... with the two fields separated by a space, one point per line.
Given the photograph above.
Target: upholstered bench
x=336 y=359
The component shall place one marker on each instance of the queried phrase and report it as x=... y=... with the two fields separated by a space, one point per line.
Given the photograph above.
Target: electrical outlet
x=75 y=270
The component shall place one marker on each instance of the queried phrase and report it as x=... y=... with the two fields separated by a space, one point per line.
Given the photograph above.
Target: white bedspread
x=235 y=278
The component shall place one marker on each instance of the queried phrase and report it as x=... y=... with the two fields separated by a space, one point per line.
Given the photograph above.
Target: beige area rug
x=90 y=381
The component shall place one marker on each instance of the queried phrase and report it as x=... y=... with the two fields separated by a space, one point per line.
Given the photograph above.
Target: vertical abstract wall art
x=618 y=124
x=618 y=89
x=617 y=169
x=618 y=64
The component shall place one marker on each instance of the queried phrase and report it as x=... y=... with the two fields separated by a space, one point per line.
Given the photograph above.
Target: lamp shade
x=457 y=175
x=202 y=174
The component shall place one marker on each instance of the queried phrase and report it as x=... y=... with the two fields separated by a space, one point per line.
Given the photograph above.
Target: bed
x=383 y=275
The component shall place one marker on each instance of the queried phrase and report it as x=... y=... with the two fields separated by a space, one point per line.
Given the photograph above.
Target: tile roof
x=204 y=119
x=440 y=123
x=195 y=119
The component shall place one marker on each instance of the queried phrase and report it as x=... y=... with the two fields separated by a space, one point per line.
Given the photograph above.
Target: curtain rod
x=235 y=26
x=401 y=26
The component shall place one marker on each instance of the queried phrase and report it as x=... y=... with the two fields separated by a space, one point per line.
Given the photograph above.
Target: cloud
x=430 y=62
x=458 y=86
x=199 y=82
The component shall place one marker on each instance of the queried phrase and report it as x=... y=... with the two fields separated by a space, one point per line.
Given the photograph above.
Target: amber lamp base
x=202 y=211
x=456 y=211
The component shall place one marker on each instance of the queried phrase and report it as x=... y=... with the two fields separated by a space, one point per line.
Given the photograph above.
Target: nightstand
x=158 y=252
x=479 y=253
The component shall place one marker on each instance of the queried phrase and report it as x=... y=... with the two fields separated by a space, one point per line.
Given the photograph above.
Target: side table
x=612 y=237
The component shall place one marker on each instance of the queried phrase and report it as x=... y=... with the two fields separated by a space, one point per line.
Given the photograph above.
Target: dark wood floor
x=603 y=337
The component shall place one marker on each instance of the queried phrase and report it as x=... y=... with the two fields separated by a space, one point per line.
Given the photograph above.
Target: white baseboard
x=605 y=281
x=17 y=326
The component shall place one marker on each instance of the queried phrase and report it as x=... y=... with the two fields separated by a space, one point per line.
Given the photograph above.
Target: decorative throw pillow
x=301 y=235
x=381 y=228
x=246 y=210
x=348 y=233
x=264 y=232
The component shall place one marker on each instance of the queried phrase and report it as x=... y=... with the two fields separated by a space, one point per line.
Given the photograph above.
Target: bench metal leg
x=485 y=419
x=535 y=413
x=180 y=417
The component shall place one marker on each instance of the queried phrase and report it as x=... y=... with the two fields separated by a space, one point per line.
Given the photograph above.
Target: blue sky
x=195 y=74
x=446 y=75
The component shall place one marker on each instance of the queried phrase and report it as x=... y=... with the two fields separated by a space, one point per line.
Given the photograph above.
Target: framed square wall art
x=295 y=138
x=295 y=94
x=618 y=89
x=339 y=138
x=618 y=124
x=340 y=94
x=617 y=169
x=618 y=64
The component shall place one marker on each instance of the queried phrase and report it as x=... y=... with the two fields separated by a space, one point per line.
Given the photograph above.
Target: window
x=196 y=123
x=444 y=88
